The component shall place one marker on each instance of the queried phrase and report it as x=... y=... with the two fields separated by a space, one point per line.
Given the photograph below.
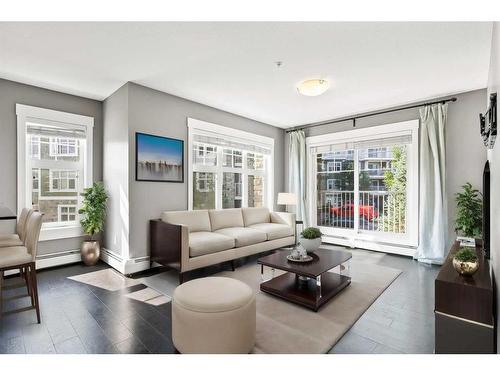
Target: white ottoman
x=213 y=315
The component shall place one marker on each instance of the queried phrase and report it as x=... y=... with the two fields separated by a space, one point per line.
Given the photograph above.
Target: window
x=229 y=168
x=334 y=166
x=54 y=166
x=35 y=147
x=67 y=213
x=373 y=196
x=63 y=181
x=63 y=147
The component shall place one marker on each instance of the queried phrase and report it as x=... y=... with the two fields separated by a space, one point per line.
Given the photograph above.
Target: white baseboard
x=125 y=266
x=368 y=245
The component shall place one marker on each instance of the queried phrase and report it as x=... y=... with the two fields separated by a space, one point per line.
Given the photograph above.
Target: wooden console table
x=464 y=309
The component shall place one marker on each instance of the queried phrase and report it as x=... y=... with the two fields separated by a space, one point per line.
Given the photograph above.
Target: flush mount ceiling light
x=313 y=87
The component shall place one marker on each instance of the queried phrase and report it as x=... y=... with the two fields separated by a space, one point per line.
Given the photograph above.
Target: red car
x=347 y=210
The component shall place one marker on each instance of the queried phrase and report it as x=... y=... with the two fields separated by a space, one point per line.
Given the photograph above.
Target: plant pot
x=91 y=250
x=465 y=268
x=310 y=245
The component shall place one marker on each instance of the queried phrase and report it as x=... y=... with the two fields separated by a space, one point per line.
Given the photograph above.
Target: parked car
x=367 y=212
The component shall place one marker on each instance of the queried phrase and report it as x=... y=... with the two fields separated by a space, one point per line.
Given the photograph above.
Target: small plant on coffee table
x=311 y=233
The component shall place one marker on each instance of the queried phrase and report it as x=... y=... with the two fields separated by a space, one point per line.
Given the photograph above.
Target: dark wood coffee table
x=307 y=284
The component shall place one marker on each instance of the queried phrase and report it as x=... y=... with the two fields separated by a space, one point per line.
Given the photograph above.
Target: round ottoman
x=213 y=315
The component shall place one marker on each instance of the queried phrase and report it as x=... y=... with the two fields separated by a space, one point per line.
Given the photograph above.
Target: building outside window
x=54 y=166
x=229 y=168
x=63 y=146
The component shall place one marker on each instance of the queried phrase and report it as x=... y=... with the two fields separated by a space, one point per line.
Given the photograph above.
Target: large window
x=54 y=166
x=229 y=168
x=364 y=185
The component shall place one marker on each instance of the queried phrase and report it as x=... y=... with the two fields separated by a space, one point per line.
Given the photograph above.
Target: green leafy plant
x=469 y=218
x=466 y=255
x=311 y=233
x=394 y=217
x=93 y=209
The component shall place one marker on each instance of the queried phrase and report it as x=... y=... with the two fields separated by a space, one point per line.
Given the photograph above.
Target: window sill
x=57 y=233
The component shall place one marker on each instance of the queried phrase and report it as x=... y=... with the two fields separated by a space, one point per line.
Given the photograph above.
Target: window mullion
x=356 y=191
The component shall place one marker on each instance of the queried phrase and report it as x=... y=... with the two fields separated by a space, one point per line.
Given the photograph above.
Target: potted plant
x=93 y=213
x=310 y=239
x=469 y=214
x=465 y=261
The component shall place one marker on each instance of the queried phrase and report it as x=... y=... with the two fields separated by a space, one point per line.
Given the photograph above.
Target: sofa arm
x=169 y=243
x=283 y=218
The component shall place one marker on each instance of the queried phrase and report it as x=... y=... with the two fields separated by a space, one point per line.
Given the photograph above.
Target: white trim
x=125 y=266
x=392 y=243
x=55 y=233
x=202 y=127
x=235 y=134
x=369 y=245
x=25 y=111
x=24 y=184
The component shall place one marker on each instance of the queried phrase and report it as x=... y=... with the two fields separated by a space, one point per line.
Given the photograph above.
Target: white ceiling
x=231 y=66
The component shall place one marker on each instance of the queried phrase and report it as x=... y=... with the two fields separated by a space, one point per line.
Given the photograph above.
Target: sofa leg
x=181 y=278
x=232 y=265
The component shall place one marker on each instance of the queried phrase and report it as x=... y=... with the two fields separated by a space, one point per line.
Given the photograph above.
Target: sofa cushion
x=255 y=215
x=203 y=243
x=273 y=230
x=196 y=221
x=243 y=236
x=227 y=218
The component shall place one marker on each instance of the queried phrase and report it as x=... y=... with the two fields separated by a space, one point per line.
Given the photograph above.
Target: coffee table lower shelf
x=307 y=294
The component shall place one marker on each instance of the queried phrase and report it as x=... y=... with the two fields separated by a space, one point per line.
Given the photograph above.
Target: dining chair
x=17 y=239
x=23 y=258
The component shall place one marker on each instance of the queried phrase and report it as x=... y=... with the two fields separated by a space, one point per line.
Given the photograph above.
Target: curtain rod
x=369 y=114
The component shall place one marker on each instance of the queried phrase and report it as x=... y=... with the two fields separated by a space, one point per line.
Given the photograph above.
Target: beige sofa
x=188 y=240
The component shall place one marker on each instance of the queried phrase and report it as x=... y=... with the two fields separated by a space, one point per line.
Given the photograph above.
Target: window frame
x=55 y=142
x=27 y=114
x=52 y=178
x=401 y=244
x=267 y=172
x=68 y=206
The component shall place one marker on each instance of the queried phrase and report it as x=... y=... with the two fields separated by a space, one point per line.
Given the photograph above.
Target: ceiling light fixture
x=313 y=87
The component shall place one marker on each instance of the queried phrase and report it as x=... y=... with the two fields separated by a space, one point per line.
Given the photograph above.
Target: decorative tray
x=305 y=259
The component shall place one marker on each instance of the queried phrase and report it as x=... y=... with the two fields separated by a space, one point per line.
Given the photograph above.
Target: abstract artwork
x=159 y=158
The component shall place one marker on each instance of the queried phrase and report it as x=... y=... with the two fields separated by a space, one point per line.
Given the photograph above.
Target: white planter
x=310 y=245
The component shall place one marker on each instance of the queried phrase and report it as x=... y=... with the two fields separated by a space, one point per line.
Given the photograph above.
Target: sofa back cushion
x=227 y=218
x=196 y=220
x=255 y=215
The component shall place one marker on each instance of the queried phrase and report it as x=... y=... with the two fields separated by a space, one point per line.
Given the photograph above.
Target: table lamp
x=287 y=199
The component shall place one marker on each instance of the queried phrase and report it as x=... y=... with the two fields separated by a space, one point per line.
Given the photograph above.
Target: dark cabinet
x=464 y=309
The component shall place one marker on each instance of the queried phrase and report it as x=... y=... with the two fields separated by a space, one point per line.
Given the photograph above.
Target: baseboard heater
x=384 y=247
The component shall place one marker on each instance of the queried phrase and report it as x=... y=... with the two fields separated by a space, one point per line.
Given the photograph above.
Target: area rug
x=283 y=327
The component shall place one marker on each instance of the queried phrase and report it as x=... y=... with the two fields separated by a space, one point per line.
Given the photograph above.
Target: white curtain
x=297 y=172
x=433 y=208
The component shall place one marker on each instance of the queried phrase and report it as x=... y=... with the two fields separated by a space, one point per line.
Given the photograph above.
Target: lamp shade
x=289 y=199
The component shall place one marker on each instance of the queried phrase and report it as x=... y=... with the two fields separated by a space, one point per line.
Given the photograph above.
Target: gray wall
x=494 y=159
x=155 y=112
x=12 y=93
x=465 y=156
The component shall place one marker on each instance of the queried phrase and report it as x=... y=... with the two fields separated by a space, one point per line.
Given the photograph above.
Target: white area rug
x=283 y=327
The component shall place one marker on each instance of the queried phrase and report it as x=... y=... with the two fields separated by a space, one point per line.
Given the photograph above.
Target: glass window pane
x=335 y=183
x=382 y=189
x=255 y=191
x=203 y=190
x=232 y=190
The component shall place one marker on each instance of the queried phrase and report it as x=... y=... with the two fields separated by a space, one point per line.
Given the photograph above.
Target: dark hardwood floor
x=78 y=317
x=81 y=318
